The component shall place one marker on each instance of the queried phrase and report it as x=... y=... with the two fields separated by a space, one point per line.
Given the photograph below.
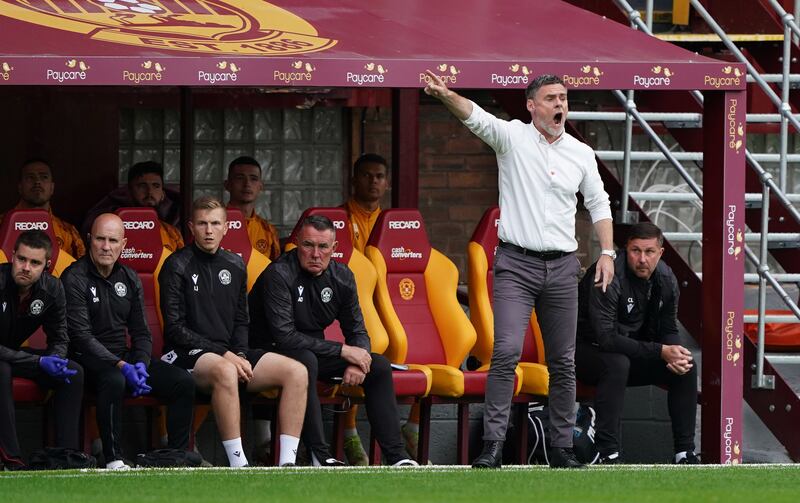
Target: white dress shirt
x=539 y=181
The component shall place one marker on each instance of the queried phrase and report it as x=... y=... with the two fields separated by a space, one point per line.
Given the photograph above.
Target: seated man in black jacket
x=292 y=303
x=628 y=336
x=204 y=303
x=106 y=306
x=32 y=298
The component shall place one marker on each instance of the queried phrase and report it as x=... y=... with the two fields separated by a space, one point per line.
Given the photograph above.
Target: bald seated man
x=105 y=301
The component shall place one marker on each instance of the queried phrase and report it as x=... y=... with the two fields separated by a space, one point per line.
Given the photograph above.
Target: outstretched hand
x=436 y=86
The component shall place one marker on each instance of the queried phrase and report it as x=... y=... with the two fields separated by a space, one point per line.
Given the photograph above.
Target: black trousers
x=66 y=405
x=613 y=372
x=378 y=395
x=171 y=384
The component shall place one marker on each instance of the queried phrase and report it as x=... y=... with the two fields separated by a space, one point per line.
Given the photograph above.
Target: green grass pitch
x=641 y=484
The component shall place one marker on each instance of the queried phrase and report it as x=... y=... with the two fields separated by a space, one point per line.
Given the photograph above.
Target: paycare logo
x=76 y=70
x=587 y=76
x=299 y=71
x=735 y=128
x=733 y=235
x=733 y=341
x=448 y=73
x=373 y=74
x=660 y=77
x=519 y=75
x=730 y=77
x=731 y=447
x=151 y=71
x=224 y=72
x=237 y=27
x=5 y=70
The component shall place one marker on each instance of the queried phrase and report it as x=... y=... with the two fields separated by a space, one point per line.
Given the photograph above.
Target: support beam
x=187 y=155
x=723 y=266
x=405 y=148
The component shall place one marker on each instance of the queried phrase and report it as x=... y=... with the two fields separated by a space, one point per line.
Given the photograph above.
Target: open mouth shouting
x=557 y=118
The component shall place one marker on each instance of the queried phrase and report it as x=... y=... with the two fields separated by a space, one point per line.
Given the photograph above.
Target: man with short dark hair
x=628 y=336
x=204 y=303
x=370 y=182
x=541 y=169
x=106 y=308
x=292 y=303
x=32 y=298
x=244 y=186
x=36 y=187
x=145 y=189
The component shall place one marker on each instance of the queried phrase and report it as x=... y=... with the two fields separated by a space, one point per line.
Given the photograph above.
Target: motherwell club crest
x=201 y=26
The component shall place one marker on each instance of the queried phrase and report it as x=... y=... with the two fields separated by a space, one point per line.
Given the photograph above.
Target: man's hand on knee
x=678 y=358
x=243 y=367
x=357 y=356
x=353 y=376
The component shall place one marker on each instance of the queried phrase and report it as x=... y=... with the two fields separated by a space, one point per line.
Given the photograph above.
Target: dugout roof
x=338 y=43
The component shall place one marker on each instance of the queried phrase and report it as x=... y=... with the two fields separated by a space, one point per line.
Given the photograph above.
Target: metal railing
x=769 y=187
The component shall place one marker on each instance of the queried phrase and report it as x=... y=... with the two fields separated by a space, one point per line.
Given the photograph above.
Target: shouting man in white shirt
x=541 y=168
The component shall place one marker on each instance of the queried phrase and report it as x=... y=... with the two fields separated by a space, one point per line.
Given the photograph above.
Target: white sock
x=412 y=427
x=350 y=432
x=262 y=431
x=233 y=448
x=679 y=456
x=288 y=449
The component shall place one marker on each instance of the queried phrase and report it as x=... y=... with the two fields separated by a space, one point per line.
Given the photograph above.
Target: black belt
x=543 y=255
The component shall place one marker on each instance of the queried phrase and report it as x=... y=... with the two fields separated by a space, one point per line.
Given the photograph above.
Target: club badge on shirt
x=120 y=288
x=36 y=307
x=326 y=294
x=225 y=277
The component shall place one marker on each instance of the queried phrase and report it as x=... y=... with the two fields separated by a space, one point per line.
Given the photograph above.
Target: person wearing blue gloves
x=106 y=302
x=31 y=298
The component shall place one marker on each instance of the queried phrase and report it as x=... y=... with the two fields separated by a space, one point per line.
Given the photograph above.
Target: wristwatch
x=610 y=253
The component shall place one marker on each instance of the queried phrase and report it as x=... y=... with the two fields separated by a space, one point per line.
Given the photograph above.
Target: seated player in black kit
x=32 y=298
x=204 y=303
x=628 y=336
x=292 y=303
x=106 y=306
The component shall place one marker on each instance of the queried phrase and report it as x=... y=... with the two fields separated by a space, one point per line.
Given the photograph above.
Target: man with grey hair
x=541 y=168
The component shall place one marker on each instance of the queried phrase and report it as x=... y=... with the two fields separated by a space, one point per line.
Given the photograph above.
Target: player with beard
x=541 y=168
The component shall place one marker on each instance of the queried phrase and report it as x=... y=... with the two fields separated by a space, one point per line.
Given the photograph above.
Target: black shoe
x=331 y=463
x=288 y=465
x=690 y=459
x=608 y=459
x=563 y=457
x=491 y=456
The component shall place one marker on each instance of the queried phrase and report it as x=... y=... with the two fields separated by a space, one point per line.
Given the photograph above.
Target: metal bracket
x=767 y=382
x=629 y=217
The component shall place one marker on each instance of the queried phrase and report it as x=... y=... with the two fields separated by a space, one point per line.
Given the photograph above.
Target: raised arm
x=457 y=104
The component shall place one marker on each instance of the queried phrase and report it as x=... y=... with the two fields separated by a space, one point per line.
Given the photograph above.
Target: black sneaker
x=331 y=463
x=564 y=457
x=690 y=459
x=608 y=459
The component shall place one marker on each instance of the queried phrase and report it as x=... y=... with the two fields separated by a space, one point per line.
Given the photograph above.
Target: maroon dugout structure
x=472 y=44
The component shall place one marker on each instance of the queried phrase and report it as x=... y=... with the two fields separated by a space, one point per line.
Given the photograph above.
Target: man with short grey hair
x=541 y=168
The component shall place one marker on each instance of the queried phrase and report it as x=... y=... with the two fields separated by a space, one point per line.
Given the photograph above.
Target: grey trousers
x=520 y=283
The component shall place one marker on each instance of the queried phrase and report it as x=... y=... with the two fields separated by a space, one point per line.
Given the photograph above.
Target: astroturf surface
x=750 y=484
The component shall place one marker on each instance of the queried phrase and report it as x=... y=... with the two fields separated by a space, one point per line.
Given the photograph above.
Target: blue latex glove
x=132 y=377
x=55 y=366
x=144 y=388
x=141 y=368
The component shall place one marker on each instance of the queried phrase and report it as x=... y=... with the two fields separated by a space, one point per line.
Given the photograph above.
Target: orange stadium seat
x=778 y=337
x=17 y=221
x=410 y=385
x=480 y=256
x=237 y=241
x=417 y=303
